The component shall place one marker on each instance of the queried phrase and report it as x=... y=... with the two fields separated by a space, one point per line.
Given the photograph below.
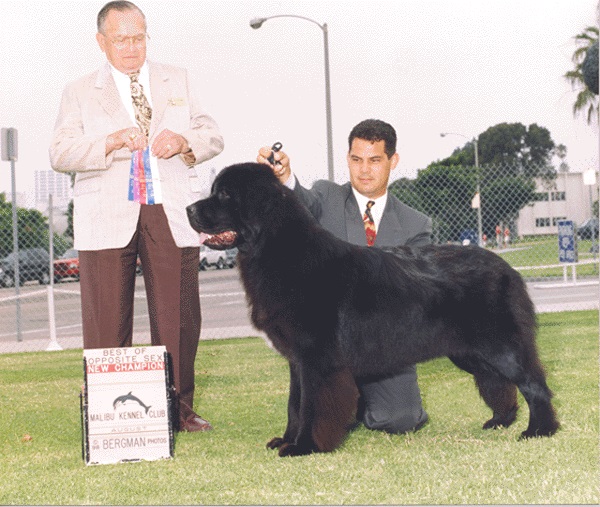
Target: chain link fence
x=514 y=211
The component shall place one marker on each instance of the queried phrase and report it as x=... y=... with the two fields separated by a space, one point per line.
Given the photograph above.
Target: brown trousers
x=171 y=279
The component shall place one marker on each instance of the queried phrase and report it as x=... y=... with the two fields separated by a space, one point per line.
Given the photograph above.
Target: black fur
x=338 y=311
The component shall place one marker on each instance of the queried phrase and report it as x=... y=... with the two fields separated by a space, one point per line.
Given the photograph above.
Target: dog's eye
x=223 y=195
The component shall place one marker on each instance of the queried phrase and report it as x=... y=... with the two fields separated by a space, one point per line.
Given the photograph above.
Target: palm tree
x=586 y=100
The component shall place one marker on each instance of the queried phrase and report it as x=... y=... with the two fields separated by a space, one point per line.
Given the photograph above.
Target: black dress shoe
x=194 y=423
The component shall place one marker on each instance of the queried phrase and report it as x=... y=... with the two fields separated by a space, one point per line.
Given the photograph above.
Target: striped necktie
x=369 y=224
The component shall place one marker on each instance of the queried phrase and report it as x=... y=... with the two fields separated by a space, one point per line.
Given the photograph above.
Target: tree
x=32 y=228
x=70 y=231
x=503 y=199
x=589 y=68
x=586 y=101
x=561 y=152
x=443 y=193
x=511 y=157
x=69 y=213
x=511 y=144
x=406 y=190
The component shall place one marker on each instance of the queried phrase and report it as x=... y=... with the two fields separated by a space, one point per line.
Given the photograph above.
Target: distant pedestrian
x=507 y=236
x=499 y=236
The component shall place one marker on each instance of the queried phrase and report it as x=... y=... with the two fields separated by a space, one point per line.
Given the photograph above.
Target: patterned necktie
x=369 y=224
x=141 y=185
x=141 y=106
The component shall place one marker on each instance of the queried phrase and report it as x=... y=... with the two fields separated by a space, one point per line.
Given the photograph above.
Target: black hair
x=375 y=130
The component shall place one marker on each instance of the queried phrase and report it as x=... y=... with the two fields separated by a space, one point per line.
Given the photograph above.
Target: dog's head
x=242 y=197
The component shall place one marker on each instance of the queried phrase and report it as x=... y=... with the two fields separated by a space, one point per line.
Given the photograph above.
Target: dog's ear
x=262 y=206
x=257 y=198
x=250 y=232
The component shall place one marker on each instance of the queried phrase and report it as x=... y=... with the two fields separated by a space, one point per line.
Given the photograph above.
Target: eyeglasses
x=137 y=40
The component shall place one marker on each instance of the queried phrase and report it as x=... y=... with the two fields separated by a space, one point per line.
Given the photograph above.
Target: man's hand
x=131 y=137
x=281 y=168
x=167 y=144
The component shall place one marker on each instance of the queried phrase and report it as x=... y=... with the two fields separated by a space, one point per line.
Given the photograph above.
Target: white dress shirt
x=123 y=83
x=376 y=210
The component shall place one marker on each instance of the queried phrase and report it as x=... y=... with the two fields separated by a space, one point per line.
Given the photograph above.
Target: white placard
x=125 y=409
x=589 y=177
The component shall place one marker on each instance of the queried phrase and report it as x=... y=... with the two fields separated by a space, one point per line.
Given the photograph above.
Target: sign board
x=567 y=244
x=589 y=177
x=126 y=405
x=8 y=143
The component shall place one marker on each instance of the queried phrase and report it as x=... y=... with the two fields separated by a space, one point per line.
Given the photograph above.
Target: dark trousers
x=171 y=279
x=391 y=404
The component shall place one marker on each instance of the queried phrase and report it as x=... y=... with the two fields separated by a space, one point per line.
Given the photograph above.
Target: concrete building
x=569 y=198
x=57 y=184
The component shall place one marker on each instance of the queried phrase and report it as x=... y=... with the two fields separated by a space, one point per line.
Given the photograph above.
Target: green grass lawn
x=543 y=251
x=242 y=390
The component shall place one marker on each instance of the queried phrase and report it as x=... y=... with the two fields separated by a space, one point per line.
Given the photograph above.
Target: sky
x=425 y=66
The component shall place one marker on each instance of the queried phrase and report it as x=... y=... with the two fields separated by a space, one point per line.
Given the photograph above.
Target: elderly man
x=132 y=133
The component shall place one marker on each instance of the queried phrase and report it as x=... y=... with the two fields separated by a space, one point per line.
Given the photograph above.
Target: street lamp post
x=256 y=23
x=478 y=187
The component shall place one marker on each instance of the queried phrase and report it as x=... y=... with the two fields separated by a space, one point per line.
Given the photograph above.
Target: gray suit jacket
x=90 y=110
x=335 y=208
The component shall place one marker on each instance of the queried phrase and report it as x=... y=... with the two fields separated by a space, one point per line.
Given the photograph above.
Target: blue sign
x=567 y=244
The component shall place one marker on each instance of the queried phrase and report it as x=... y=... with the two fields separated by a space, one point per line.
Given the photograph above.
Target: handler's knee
x=395 y=421
x=392 y=404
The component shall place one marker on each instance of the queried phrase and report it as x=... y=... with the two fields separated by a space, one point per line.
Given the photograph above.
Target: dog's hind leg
x=542 y=416
x=515 y=356
x=496 y=391
x=501 y=396
x=522 y=367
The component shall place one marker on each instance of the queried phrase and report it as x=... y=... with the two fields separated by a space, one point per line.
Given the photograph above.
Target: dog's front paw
x=275 y=443
x=293 y=450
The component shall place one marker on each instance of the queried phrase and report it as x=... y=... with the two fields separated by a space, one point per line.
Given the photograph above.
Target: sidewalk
x=76 y=342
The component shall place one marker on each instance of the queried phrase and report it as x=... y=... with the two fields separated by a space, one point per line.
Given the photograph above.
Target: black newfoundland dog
x=338 y=311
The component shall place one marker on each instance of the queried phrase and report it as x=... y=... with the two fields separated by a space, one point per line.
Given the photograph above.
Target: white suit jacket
x=90 y=110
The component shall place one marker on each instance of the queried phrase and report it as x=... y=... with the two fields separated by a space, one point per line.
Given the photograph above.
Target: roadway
x=224 y=310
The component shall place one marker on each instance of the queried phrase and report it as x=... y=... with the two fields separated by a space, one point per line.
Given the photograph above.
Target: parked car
x=67 y=266
x=585 y=230
x=34 y=264
x=210 y=257
x=468 y=237
x=219 y=258
x=231 y=257
x=138 y=267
